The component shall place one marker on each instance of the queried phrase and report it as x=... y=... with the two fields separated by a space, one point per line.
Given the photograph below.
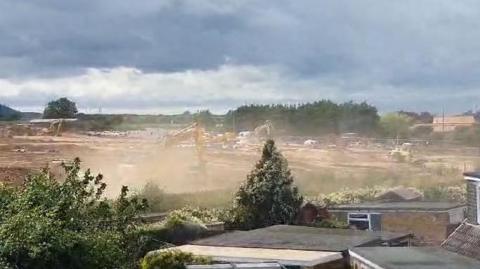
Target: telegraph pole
x=443 y=120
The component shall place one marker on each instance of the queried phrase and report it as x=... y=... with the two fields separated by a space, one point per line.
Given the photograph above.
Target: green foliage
x=48 y=224
x=317 y=118
x=192 y=215
x=268 y=197
x=349 y=196
x=179 y=227
x=446 y=193
x=171 y=260
x=330 y=223
x=60 y=109
x=422 y=117
x=396 y=125
x=455 y=193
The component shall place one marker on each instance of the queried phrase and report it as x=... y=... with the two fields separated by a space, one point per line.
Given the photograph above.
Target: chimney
x=473 y=197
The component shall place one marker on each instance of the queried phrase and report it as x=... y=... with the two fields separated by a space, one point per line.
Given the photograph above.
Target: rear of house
x=430 y=222
x=409 y=258
x=449 y=124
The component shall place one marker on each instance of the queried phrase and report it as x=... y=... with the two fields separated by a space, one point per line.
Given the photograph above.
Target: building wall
x=441 y=128
x=472 y=202
x=340 y=264
x=357 y=264
x=428 y=228
x=457 y=215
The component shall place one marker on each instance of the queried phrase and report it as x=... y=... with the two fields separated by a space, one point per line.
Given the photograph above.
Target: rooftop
x=237 y=266
x=250 y=255
x=419 y=206
x=400 y=194
x=299 y=238
x=413 y=258
x=465 y=240
x=472 y=174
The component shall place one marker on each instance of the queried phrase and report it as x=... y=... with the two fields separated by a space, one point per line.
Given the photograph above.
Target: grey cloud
x=427 y=47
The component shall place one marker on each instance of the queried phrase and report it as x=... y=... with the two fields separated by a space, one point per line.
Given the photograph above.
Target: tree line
x=317 y=118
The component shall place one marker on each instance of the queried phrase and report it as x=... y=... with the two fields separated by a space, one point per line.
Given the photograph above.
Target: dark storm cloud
x=391 y=53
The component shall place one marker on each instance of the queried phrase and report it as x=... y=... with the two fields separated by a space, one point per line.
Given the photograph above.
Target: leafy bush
x=48 y=224
x=192 y=215
x=349 y=196
x=456 y=193
x=171 y=260
x=330 y=223
x=446 y=193
x=268 y=197
x=396 y=125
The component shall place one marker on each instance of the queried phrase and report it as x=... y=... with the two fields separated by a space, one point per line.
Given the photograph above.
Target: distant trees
x=317 y=118
x=396 y=125
x=60 y=109
x=268 y=197
x=422 y=117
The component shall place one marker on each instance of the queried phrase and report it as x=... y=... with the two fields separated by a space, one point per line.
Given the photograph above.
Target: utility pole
x=443 y=120
x=233 y=122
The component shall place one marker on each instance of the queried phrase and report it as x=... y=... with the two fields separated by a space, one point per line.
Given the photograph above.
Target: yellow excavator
x=195 y=132
x=402 y=153
x=200 y=138
x=264 y=131
x=55 y=125
x=55 y=128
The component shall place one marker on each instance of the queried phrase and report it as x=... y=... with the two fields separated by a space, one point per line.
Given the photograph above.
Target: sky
x=168 y=56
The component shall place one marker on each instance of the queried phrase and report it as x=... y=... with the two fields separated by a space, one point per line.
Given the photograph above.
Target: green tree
x=317 y=118
x=268 y=197
x=52 y=224
x=395 y=125
x=60 y=109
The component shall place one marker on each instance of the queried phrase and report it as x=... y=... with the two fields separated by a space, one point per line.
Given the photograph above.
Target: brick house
x=465 y=240
x=449 y=124
x=461 y=250
x=409 y=258
x=430 y=222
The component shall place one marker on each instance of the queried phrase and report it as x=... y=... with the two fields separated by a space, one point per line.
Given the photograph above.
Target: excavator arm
x=195 y=132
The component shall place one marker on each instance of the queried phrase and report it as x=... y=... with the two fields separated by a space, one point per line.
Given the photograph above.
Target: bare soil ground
x=135 y=161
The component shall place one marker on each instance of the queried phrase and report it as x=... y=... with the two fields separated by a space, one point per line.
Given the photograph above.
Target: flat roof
x=472 y=175
x=237 y=266
x=412 y=258
x=299 y=238
x=244 y=255
x=51 y=120
x=413 y=206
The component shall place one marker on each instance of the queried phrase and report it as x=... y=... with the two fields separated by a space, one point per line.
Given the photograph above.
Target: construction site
x=190 y=159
